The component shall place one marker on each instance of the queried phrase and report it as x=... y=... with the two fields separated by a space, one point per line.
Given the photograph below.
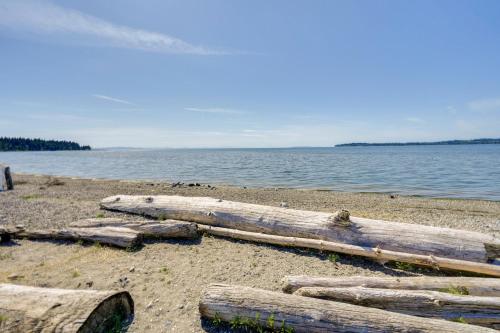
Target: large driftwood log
x=403 y=237
x=115 y=236
x=6 y=182
x=150 y=229
x=314 y=315
x=477 y=310
x=31 y=309
x=373 y=253
x=470 y=285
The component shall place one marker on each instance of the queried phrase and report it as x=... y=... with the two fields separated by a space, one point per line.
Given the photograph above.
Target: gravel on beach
x=166 y=278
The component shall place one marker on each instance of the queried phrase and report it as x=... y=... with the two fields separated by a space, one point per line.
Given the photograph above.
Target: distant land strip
x=24 y=144
x=436 y=143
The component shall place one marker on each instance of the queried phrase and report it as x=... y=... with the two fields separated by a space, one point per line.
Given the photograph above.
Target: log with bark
x=476 y=310
x=149 y=229
x=32 y=309
x=373 y=253
x=467 y=285
x=249 y=306
x=6 y=182
x=114 y=236
x=334 y=227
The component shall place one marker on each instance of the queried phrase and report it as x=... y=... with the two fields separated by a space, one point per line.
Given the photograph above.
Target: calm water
x=466 y=171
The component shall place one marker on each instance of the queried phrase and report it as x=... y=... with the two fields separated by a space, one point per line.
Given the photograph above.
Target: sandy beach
x=166 y=278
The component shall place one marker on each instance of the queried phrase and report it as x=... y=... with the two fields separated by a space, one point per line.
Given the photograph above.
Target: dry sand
x=166 y=278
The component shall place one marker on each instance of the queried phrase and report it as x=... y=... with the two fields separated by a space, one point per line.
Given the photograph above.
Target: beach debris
x=148 y=229
x=33 y=309
x=476 y=310
x=392 y=236
x=292 y=313
x=376 y=254
x=474 y=286
x=6 y=182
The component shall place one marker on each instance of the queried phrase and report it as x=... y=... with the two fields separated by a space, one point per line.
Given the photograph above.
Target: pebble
x=284 y=204
x=14 y=276
x=131 y=269
x=89 y=284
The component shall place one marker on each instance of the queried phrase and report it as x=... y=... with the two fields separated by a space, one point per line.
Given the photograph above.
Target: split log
x=401 y=237
x=373 y=253
x=32 y=309
x=476 y=310
x=115 y=236
x=302 y=314
x=149 y=229
x=6 y=182
x=469 y=285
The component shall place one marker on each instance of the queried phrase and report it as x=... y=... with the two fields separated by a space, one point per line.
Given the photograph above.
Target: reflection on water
x=465 y=171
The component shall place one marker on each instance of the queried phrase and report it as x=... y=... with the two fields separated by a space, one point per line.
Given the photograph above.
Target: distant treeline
x=450 y=142
x=23 y=144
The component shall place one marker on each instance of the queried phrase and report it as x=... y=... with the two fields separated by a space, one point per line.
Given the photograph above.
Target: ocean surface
x=463 y=171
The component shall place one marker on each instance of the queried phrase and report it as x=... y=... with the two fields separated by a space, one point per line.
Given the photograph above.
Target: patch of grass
x=333 y=257
x=100 y=215
x=29 y=197
x=405 y=266
x=161 y=217
x=164 y=270
x=116 y=323
x=3 y=318
x=455 y=290
x=98 y=246
x=460 y=320
x=217 y=321
x=76 y=273
x=79 y=242
x=244 y=324
x=5 y=256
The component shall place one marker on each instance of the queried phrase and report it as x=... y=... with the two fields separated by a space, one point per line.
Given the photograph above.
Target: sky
x=260 y=73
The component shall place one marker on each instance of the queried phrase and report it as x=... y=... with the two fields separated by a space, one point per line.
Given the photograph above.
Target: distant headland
x=436 y=143
x=24 y=144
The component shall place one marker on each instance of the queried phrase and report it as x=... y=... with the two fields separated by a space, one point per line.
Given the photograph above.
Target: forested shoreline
x=25 y=144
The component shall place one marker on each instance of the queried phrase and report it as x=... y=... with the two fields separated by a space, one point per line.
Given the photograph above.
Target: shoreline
x=224 y=185
x=166 y=278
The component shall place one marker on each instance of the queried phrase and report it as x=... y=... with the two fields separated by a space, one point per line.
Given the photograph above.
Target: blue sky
x=162 y=73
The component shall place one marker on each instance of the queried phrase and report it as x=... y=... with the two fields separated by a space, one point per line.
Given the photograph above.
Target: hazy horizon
x=225 y=74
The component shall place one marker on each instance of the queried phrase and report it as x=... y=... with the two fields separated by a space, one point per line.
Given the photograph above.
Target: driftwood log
x=114 y=236
x=476 y=310
x=149 y=229
x=373 y=253
x=303 y=314
x=6 y=182
x=31 y=309
x=401 y=237
x=469 y=285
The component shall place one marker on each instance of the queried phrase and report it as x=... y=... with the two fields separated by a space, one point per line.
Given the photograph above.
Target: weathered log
x=150 y=229
x=303 y=314
x=477 y=310
x=32 y=309
x=373 y=253
x=6 y=182
x=402 y=237
x=115 y=236
x=469 y=285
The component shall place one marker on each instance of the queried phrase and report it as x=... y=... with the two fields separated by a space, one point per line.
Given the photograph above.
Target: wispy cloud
x=415 y=120
x=215 y=110
x=112 y=99
x=42 y=17
x=488 y=104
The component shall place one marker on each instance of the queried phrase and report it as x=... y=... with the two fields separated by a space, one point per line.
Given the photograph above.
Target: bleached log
x=115 y=236
x=310 y=315
x=476 y=310
x=373 y=253
x=149 y=229
x=401 y=237
x=470 y=285
x=30 y=309
x=6 y=182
